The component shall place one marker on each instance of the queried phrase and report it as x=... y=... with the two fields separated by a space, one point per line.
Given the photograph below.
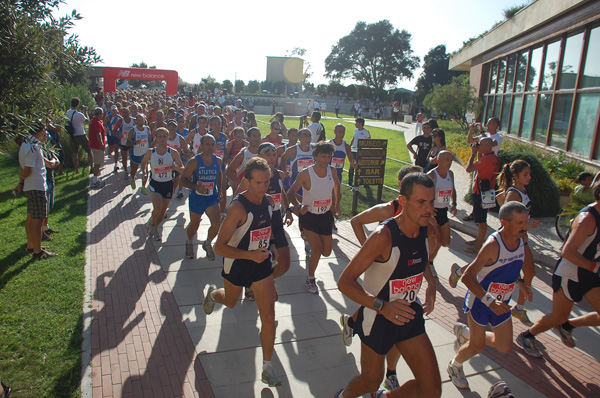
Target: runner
x=576 y=277
x=177 y=143
x=164 y=162
x=491 y=279
x=202 y=175
x=274 y=137
x=246 y=246
x=360 y=133
x=215 y=124
x=185 y=151
x=114 y=123
x=300 y=157
x=445 y=196
x=287 y=168
x=237 y=121
x=127 y=126
x=196 y=134
x=235 y=169
x=235 y=145
x=342 y=150
x=387 y=319
x=139 y=139
x=320 y=202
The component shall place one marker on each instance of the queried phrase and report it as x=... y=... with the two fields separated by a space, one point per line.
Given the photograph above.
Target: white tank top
x=303 y=159
x=238 y=125
x=443 y=190
x=175 y=143
x=126 y=128
x=247 y=156
x=160 y=166
x=196 y=142
x=318 y=198
x=524 y=197
x=144 y=136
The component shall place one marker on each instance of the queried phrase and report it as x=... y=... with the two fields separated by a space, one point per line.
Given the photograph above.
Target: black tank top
x=275 y=191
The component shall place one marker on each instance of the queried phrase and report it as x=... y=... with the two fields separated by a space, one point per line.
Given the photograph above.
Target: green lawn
x=41 y=302
x=396 y=149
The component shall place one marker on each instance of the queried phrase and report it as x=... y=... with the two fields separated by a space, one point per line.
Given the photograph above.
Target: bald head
x=486 y=144
x=444 y=160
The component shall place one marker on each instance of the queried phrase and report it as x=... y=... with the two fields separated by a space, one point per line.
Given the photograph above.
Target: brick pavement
x=139 y=344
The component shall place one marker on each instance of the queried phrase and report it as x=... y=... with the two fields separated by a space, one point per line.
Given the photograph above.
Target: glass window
x=501 y=70
x=550 y=66
x=542 y=118
x=515 y=118
x=510 y=72
x=534 y=70
x=521 y=71
x=505 y=113
x=560 y=122
x=528 y=116
x=488 y=108
x=591 y=69
x=585 y=119
x=497 y=105
x=570 y=64
x=493 y=77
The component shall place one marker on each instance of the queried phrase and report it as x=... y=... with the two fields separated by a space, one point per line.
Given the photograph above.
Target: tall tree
x=227 y=85
x=37 y=56
x=240 y=86
x=435 y=71
x=374 y=54
x=455 y=99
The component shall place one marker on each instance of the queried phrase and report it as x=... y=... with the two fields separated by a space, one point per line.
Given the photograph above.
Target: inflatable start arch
x=112 y=74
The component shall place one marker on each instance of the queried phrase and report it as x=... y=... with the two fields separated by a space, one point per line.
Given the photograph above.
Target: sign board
x=371 y=162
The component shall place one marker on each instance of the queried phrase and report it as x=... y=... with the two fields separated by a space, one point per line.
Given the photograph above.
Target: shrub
x=542 y=190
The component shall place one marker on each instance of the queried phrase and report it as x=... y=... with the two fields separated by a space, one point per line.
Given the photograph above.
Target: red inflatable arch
x=112 y=74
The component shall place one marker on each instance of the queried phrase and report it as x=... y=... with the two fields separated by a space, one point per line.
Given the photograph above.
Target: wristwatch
x=378 y=304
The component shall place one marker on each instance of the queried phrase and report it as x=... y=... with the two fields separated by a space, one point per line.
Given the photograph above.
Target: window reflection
x=542 y=117
x=591 y=69
x=550 y=66
x=528 y=116
x=521 y=71
x=534 y=69
x=516 y=114
x=510 y=72
x=501 y=70
x=505 y=113
x=560 y=123
x=585 y=119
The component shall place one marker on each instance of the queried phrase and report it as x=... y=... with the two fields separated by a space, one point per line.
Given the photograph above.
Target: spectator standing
x=337 y=108
x=395 y=112
x=420 y=117
x=423 y=143
x=323 y=108
x=98 y=146
x=360 y=133
x=78 y=138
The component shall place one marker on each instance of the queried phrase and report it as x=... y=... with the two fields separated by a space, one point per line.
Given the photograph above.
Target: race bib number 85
x=259 y=238
x=406 y=289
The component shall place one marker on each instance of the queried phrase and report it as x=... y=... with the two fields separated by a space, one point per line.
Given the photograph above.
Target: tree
x=227 y=85
x=435 y=71
x=240 y=86
x=253 y=86
x=374 y=54
x=37 y=56
x=455 y=99
x=209 y=83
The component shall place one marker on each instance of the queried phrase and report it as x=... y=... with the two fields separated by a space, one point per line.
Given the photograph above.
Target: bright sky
x=233 y=38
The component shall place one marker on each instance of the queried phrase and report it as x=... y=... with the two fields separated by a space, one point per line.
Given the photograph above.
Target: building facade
x=539 y=73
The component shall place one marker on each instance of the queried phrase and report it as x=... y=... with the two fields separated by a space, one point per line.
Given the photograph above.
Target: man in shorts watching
x=78 y=138
x=98 y=145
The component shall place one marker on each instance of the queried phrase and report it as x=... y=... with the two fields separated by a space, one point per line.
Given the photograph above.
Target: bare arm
x=188 y=172
x=581 y=228
x=378 y=213
x=231 y=171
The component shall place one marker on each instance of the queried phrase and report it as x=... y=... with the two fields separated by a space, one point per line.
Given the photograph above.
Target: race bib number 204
x=406 y=289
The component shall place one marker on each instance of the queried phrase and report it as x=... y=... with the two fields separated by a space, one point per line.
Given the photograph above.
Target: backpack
x=322 y=133
x=69 y=126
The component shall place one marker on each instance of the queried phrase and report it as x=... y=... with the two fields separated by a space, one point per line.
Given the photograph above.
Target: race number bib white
x=304 y=163
x=321 y=206
x=443 y=196
x=161 y=172
x=501 y=291
x=406 y=289
x=338 y=163
x=210 y=186
x=276 y=201
x=219 y=152
x=143 y=143
x=259 y=238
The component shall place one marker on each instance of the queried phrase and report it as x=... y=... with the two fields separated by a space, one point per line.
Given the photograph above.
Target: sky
x=231 y=40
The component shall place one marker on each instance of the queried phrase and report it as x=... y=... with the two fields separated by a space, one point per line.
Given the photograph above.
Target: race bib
x=288 y=168
x=501 y=291
x=304 y=163
x=338 y=163
x=321 y=206
x=161 y=172
x=208 y=185
x=259 y=238
x=174 y=146
x=276 y=201
x=219 y=152
x=143 y=143
x=406 y=289
x=444 y=196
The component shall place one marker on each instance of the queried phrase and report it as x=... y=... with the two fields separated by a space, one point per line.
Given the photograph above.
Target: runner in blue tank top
x=246 y=246
x=491 y=279
x=342 y=149
x=220 y=143
x=202 y=175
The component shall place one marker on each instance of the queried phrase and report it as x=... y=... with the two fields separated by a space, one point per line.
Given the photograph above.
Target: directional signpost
x=371 y=166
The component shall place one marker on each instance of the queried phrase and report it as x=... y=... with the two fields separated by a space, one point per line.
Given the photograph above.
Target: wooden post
x=354 y=202
x=379 y=193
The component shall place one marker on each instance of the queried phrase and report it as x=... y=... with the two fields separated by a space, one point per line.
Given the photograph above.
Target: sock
x=456 y=363
x=190 y=242
x=466 y=333
x=351 y=322
x=266 y=365
x=520 y=307
x=459 y=272
x=390 y=373
x=527 y=334
x=310 y=278
x=94 y=179
x=567 y=326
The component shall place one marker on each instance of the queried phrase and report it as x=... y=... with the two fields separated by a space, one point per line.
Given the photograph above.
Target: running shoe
x=151 y=231
x=565 y=336
x=133 y=184
x=522 y=316
x=115 y=169
x=180 y=195
x=46 y=237
x=500 y=389
x=454 y=277
x=457 y=376
x=433 y=271
x=391 y=382
x=144 y=192
x=347 y=331
x=249 y=293
x=529 y=346
x=379 y=393
x=210 y=253
x=189 y=250
x=311 y=285
x=458 y=332
x=157 y=236
x=209 y=302
x=268 y=377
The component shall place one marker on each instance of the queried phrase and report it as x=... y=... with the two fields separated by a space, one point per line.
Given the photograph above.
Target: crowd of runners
x=197 y=151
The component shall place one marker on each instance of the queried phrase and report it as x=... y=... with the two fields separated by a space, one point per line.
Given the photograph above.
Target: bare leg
x=264 y=293
x=215 y=221
x=283 y=262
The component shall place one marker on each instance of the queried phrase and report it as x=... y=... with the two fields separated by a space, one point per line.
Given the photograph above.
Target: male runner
x=320 y=202
x=394 y=261
x=139 y=140
x=246 y=246
x=215 y=124
x=127 y=125
x=196 y=134
x=202 y=175
x=114 y=124
x=341 y=151
x=235 y=169
x=300 y=156
x=491 y=279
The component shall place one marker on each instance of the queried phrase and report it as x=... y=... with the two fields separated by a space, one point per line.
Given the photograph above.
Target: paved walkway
x=148 y=336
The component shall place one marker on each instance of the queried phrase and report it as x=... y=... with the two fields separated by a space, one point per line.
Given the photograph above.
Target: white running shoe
x=268 y=377
x=311 y=285
x=209 y=302
x=210 y=254
x=391 y=383
x=457 y=376
x=522 y=316
x=189 y=250
x=454 y=277
x=347 y=331
x=458 y=332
